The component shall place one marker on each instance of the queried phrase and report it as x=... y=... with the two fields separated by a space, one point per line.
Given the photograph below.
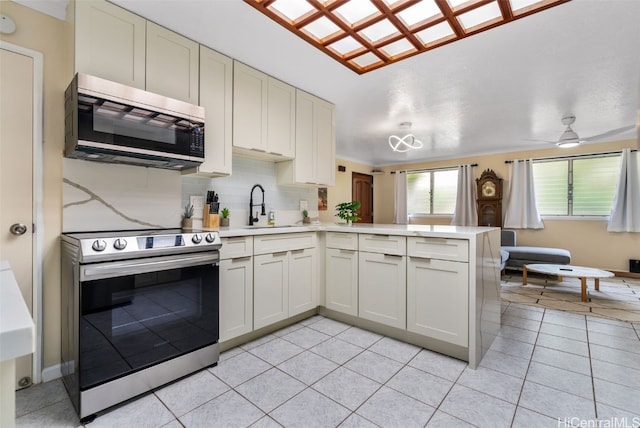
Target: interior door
x=362 y=191
x=16 y=179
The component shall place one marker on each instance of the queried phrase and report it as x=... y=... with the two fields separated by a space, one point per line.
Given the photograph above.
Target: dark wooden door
x=362 y=191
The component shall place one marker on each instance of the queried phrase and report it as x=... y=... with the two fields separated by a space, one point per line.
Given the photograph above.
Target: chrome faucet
x=253 y=219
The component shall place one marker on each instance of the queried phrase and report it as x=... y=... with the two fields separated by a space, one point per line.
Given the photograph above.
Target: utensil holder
x=210 y=221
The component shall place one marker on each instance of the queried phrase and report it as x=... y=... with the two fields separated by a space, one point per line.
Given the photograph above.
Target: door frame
x=38 y=220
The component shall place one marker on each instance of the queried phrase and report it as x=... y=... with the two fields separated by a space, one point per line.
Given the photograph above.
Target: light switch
x=304 y=205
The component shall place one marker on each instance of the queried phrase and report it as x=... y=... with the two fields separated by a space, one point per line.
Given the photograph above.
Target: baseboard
x=51 y=373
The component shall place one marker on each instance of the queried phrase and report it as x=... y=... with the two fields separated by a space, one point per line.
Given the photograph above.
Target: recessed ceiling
x=365 y=35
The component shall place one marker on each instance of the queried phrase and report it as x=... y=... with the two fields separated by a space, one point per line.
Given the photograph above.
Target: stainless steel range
x=139 y=309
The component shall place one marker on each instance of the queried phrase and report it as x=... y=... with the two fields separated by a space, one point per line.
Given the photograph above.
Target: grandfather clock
x=489 y=199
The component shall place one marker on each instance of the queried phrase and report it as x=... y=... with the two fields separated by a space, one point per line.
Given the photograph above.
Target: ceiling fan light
x=568 y=144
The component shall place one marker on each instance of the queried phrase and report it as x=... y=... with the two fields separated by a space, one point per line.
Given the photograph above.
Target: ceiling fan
x=569 y=138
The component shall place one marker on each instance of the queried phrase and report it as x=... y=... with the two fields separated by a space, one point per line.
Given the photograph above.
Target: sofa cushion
x=519 y=256
x=504 y=256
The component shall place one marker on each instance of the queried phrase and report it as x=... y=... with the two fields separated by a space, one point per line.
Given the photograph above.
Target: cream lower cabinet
x=382 y=279
x=438 y=289
x=285 y=277
x=271 y=289
x=236 y=287
x=341 y=272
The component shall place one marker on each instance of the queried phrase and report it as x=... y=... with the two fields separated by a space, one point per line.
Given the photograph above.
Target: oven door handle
x=133 y=267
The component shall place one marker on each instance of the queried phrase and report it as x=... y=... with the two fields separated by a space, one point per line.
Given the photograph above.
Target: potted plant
x=348 y=211
x=224 y=220
x=187 y=221
x=305 y=217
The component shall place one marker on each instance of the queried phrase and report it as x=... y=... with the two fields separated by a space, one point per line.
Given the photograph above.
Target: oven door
x=111 y=125
x=138 y=313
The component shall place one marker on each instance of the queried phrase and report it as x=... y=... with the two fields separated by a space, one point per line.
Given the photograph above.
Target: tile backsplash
x=98 y=196
x=235 y=190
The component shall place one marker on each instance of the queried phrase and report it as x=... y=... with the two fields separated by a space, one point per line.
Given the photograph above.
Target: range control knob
x=99 y=245
x=120 y=244
x=196 y=239
x=209 y=238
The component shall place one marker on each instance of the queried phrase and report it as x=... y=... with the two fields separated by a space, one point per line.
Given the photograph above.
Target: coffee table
x=571 y=271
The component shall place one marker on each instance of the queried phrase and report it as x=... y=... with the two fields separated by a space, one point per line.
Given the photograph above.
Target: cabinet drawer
x=283 y=242
x=439 y=248
x=342 y=240
x=237 y=246
x=386 y=244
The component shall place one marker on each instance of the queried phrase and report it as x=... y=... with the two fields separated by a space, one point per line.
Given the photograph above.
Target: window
x=432 y=192
x=579 y=186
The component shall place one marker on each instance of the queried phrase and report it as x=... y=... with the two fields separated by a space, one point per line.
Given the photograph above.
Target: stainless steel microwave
x=110 y=122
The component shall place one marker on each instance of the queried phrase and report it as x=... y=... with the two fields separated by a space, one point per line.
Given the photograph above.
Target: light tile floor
x=546 y=364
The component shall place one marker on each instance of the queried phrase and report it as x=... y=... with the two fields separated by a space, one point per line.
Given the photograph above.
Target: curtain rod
x=433 y=169
x=574 y=156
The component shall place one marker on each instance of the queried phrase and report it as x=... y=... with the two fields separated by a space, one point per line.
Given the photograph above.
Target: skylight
x=368 y=34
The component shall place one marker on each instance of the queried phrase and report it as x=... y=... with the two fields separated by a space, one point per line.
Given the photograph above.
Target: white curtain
x=466 y=212
x=625 y=213
x=522 y=210
x=400 y=197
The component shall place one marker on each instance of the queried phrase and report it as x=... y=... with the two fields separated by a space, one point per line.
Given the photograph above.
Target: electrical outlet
x=304 y=205
x=198 y=205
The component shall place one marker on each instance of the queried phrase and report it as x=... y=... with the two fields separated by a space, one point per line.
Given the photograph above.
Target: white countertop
x=17 y=331
x=436 y=231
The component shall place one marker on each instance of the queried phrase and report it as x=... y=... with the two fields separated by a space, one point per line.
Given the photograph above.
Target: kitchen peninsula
x=430 y=285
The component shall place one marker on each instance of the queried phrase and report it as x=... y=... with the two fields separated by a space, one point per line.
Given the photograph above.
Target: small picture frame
x=322 y=199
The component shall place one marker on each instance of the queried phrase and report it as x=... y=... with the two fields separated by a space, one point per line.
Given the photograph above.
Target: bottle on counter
x=272 y=218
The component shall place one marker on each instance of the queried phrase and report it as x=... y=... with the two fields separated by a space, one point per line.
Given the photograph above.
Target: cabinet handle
x=310 y=182
x=348 y=251
x=258 y=150
x=241 y=259
x=380 y=236
x=276 y=153
x=298 y=250
x=281 y=253
x=420 y=258
x=391 y=255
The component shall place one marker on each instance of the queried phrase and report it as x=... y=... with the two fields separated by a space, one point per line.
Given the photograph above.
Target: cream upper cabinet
x=172 y=64
x=216 y=96
x=263 y=115
x=281 y=118
x=110 y=43
x=314 y=163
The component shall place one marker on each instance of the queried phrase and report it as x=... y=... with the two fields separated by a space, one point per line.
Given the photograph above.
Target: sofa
x=514 y=256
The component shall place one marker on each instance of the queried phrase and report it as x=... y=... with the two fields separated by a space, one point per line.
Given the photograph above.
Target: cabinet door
x=341 y=293
x=303 y=281
x=305 y=165
x=216 y=96
x=325 y=147
x=382 y=288
x=438 y=299
x=172 y=64
x=270 y=289
x=281 y=118
x=110 y=43
x=249 y=108
x=236 y=297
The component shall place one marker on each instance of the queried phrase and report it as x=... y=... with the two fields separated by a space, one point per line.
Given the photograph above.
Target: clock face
x=488 y=188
